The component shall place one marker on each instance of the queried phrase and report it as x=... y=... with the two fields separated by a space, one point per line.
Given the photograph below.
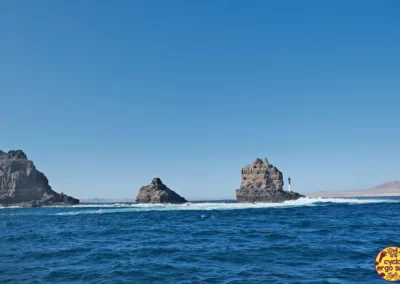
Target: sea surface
x=310 y=240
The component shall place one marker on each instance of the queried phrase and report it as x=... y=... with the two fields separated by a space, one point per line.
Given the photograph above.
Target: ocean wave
x=306 y=201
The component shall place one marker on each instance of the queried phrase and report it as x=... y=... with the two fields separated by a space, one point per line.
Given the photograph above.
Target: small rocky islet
x=157 y=192
x=263 y=182
x=21 y=184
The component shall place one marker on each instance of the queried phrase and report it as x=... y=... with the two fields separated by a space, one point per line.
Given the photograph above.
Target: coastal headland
x=391 y=188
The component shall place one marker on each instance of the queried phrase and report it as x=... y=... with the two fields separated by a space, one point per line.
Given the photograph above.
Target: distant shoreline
x=388 y=189
x=351 y=194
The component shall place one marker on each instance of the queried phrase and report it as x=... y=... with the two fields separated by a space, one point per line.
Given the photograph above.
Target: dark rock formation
x=262 y=182
x=157 y=192
x=23 y=185
x=265 y=195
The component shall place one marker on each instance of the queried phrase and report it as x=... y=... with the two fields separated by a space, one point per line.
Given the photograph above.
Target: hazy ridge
x=391 y=188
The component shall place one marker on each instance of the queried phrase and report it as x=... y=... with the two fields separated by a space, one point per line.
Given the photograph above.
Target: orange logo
x=387 y=264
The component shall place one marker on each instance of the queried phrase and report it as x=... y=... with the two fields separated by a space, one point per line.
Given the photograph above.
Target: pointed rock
x=261 y=175
x=157 y=192
x=22 y=184
x=263 y=182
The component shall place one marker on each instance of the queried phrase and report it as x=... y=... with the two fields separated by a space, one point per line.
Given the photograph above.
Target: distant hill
x=391 y=188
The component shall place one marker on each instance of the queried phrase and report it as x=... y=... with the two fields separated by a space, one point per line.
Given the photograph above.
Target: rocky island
x=157 y=192
x=263 y=182
x=21 y=184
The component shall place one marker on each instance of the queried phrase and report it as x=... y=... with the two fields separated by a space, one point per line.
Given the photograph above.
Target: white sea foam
x=1 y=207
x=122 y=207
x=307 y=201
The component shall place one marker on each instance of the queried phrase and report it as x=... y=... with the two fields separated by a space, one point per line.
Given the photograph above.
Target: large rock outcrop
x=157 y=192
x=22 y=184
x=262 y=182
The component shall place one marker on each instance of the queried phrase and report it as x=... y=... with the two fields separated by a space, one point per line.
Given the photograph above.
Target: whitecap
x=306 y=201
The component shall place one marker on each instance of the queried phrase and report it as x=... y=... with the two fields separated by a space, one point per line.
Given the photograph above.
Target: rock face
x=157 y=192
x=22 y=184
x=262 y=182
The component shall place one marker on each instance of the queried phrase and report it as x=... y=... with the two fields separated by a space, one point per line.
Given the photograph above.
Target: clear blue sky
x=105 y=95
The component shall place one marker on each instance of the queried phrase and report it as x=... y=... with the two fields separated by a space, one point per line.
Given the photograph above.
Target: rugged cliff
x=157 y=192
x=263 y=182
x=22 y=184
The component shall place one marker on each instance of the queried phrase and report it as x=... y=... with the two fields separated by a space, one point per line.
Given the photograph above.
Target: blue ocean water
x=303 y=241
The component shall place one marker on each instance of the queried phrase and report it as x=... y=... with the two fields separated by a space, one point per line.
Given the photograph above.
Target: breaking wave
x=306 y=201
